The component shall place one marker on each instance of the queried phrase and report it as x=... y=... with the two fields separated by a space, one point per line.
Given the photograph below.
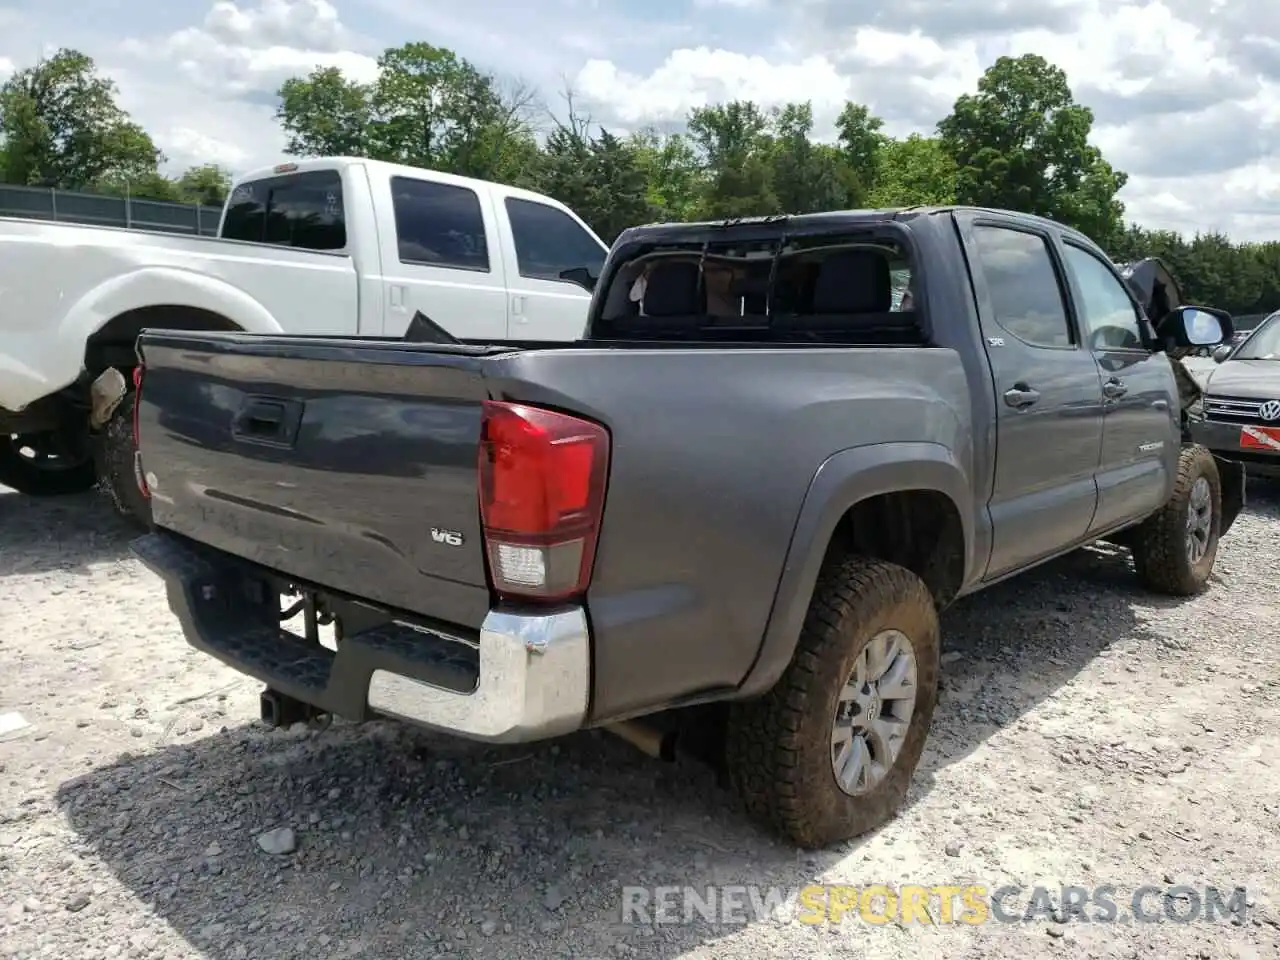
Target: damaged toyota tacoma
x=781 y=448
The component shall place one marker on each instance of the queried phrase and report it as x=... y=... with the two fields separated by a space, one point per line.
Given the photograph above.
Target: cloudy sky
x=1186 y=92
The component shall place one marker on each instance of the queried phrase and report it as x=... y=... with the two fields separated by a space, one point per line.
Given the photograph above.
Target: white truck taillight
x=542 y=486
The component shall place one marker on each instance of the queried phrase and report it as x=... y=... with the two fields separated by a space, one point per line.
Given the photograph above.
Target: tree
x=600 y=176
x=427 y=108
x=433 y=109
x=1022 y=143
x=913 y=172
x=807 y=176
x=325 y=114
x=675 y=179
x=731 y=140
x=862 y=146
x=208 y=184
x=135 y=172
x=62 y=127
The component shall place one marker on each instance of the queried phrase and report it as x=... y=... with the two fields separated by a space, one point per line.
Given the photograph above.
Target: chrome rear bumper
x=527 y=678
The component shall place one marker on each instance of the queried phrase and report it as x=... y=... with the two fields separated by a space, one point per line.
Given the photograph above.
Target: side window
x=439 y=225
x=301 y=210
x=1023 y=285
x=1106 y=311
x=548 y=241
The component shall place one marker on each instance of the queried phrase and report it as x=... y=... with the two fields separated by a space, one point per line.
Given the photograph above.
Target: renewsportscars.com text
x=971 y=904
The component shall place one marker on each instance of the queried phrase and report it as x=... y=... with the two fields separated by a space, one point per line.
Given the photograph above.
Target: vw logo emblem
x=1270 y=410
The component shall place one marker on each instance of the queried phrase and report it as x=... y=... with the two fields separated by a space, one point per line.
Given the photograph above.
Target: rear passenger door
x=542 y=243
x=1047 y=390
x=440 y=256
x=1140 y=426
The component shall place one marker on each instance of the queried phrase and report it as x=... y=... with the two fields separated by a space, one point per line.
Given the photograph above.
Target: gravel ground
x=1088 y=734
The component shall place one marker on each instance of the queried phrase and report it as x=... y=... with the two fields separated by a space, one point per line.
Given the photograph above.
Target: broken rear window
x=844 y=289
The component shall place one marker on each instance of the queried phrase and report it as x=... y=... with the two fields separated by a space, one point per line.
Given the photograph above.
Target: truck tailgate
x=289 y=453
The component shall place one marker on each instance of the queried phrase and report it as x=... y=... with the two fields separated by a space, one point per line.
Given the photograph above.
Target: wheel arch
x=113 y=343
x=116 y=310
x=907 y=503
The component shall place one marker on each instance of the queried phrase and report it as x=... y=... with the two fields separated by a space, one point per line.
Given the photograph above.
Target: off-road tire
x=113 y=450
x=1159 y=543
x=19 y=473
x=778 y=746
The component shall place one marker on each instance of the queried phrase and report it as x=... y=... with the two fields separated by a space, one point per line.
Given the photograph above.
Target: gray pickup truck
x=781 y=448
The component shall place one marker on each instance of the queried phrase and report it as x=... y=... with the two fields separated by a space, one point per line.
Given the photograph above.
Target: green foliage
x=427 y=108
x=603 y=177
x=1020 y=141
x=61 y=126
x=208 y=184
x=325 y=114
x=1210 y=269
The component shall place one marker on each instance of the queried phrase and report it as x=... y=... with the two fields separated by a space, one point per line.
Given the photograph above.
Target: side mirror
x=1190 y=326
x=581 y=276
x=1222 y=353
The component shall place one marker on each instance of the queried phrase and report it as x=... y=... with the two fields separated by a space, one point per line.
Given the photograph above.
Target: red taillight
x=137 y=396
x=138 y=475
x=542 y=481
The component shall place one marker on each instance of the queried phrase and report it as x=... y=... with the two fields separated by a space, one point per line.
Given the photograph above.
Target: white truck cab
x=480 y=259
x=339 y=246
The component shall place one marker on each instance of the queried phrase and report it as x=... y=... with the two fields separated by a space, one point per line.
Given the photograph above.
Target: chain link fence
x=39 y=203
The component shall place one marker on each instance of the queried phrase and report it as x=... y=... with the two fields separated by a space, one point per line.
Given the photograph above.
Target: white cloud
x=230 y=67
x=695 y=78
x=197 y=147
x=1186 y=95
x=253 y=50
x=310 y=24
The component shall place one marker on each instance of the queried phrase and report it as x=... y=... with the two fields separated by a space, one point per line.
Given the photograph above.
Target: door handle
x=1114 y=389
x=1020 y=396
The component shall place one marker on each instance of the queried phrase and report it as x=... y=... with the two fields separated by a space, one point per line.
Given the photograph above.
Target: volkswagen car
x=1242 y=402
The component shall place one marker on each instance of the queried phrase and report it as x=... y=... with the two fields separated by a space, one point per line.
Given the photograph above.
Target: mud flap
x=1232 y=475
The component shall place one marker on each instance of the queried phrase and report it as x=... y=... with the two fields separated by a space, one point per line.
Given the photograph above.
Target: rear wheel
x=37 y=465
x=829 y=752
x=1175 y=548
x=114 y=451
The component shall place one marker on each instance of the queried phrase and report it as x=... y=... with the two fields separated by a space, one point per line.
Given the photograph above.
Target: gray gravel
x=1088 y=734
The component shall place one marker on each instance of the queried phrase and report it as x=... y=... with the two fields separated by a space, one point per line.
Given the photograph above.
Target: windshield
x=1264 y=344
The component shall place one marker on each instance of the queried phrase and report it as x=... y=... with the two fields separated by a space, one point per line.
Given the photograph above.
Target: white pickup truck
x=332 y=246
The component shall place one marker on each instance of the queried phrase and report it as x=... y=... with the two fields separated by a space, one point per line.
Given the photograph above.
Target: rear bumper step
x=528 y=678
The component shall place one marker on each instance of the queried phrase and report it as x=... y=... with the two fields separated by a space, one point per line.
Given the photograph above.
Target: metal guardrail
x=39 y=203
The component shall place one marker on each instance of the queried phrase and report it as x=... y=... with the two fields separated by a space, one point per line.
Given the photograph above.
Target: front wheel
x=1174 y=549
x=829 y=752
x=37 y=465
